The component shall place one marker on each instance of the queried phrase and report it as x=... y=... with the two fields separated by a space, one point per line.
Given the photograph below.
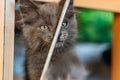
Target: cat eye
x=64 y=24
x=43 y=27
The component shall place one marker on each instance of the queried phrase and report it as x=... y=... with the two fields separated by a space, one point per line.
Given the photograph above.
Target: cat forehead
x=49 y=9
x=49 y=13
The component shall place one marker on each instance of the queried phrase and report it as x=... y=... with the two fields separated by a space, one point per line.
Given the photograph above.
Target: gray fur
x=38 y=42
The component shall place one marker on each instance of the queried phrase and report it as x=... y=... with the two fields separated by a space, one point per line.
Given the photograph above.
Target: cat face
x=41 y=24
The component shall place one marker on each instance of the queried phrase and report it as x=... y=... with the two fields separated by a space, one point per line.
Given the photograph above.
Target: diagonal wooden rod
x=55 y=39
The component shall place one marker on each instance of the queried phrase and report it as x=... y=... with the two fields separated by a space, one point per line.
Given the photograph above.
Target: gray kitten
x=40 y=21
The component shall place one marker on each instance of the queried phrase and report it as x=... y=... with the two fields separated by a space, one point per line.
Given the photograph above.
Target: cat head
x=41 y=19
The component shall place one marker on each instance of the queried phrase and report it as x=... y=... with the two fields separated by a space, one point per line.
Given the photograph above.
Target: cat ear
x=70 y=11
x=28 y=7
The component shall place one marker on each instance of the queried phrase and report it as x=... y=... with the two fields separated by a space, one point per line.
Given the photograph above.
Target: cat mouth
x=59 y=44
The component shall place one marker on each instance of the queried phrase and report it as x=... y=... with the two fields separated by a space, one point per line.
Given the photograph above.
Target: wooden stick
x=9 y=39
x=55 y=39
x=1 y=37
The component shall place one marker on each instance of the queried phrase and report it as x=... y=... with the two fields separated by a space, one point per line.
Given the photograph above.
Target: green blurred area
x=94 y=25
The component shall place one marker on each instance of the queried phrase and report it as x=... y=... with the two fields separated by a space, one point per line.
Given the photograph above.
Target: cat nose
x=50 y=36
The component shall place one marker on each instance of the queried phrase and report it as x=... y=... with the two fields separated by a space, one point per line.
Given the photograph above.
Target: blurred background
x=93 y=48
x=95 y=26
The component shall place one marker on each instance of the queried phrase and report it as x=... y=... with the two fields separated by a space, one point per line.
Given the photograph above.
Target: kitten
x=40 y=21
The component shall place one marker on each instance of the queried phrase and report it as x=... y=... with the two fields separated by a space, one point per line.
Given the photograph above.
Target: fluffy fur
x=40 y=21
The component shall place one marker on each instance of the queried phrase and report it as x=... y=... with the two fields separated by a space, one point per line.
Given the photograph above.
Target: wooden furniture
x=116 y=48
x=7 y=14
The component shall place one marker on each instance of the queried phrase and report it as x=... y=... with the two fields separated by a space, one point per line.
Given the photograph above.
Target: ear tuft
x=28 y=6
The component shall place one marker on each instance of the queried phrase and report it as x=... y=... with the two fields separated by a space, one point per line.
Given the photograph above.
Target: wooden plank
x=9 y=39
x=107 y=5
x=1 y=36
x=116 y=49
